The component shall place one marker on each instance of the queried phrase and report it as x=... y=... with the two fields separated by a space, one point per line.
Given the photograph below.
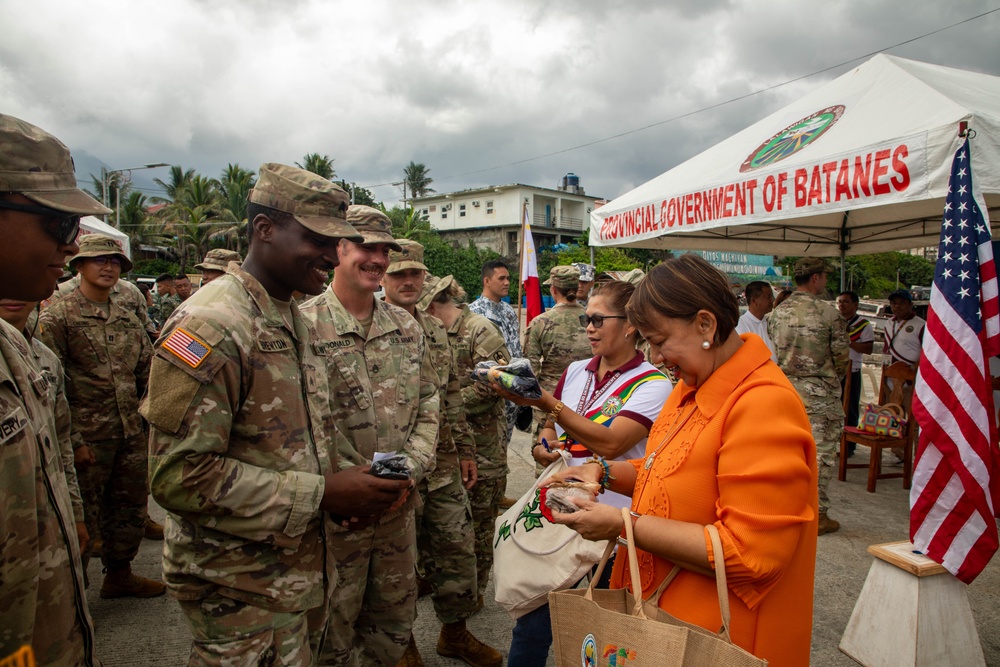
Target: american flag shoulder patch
x=188 y=348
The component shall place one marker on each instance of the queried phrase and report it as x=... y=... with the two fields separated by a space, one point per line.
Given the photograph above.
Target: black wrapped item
x=391 y=467
x=516 y=377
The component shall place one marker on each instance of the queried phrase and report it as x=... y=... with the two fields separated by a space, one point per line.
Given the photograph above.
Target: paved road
x=141 y=633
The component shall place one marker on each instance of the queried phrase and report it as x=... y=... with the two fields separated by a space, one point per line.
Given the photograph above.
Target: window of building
x=433 y=208
x=423 y=212
x=461 y=210
x=489 y=208
x=444 y=213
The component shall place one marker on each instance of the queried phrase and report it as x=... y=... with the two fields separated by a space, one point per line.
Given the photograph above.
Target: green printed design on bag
x=530 y=516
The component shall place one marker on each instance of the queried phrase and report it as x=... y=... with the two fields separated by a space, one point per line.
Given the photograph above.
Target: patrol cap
x=39 y=166
x=409 y=256
x=901 y=294
x=587 y=272
x=374 y=225
x=315 y=202
x=634 y=276
x=433 y=286
x=807 y=266
x=100 y=245
x=564 y=277
x=218 y=259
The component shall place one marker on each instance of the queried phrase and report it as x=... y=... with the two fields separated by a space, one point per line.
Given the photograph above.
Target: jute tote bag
x=614 y=628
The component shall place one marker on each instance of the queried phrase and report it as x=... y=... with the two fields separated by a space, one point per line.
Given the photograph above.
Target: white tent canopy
x=860 y=165
x=92 y=225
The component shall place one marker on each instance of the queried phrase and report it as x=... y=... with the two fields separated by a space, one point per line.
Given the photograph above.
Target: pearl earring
x=705 y=345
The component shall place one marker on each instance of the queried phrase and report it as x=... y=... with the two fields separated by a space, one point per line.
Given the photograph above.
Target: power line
x=708 y=108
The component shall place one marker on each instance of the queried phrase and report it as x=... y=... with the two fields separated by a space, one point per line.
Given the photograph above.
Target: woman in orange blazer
x=731 y=447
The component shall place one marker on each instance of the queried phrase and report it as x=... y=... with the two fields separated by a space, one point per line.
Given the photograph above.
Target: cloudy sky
x=483 y=93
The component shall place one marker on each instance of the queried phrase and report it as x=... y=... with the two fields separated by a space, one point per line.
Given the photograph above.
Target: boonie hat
x=587 y=272
x=634 y=276
x=374 y=225
x=218 y=259
x=40 y=167
x=901 y=294
x=315 y=202
x=409 y=256
x=807 y=266
x=100 y=245
x=564 y=277
x=433 y=286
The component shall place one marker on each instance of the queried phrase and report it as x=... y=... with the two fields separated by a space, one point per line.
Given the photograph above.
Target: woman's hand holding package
x=593 y=521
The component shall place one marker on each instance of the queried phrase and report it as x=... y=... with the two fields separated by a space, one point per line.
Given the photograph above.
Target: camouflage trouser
x=447 y=554
x=375 y=602
x=826 y=416
x=115 y=490
x=231 y=633
x=485 y=499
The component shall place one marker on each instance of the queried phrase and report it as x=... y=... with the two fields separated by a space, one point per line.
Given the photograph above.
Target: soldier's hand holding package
x=355 y=495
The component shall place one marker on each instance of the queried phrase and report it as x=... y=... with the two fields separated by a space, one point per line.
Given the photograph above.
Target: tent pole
x=844 y=235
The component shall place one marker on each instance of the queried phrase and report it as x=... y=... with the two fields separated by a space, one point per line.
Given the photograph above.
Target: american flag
x=956 y=477
x=185 y=346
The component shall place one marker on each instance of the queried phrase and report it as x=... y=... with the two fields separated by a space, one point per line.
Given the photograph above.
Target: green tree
x=234 y=185
x=322 y=165
x=417 y=180
x=193 y=235
x=175 y=183
x=119 y=189
x=359 y=195
x=407 y=223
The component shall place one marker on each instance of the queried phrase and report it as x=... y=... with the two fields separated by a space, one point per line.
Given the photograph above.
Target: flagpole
x=520 y=269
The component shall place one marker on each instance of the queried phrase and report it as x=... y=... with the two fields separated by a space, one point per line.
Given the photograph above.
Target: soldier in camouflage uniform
x=811 y=344
x=125 y=293
x=42 y=600
x=215 y=264
x=587 y=273
x=242 y=445
x=473 y=338
x=557 y=337
x=445 y=539
x=385 y=401
x=164 y=300
x=105 y=353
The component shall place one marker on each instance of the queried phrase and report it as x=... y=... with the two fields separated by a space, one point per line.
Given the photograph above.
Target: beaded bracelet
x=607 y=477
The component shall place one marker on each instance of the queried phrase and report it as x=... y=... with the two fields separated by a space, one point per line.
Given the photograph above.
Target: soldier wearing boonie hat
x=42 y=600
x=101 y=245
x=379 y=369
x=215 y=263
x=268 y=468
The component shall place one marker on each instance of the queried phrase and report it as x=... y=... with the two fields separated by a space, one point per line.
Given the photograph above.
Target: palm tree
x=118 y=187
x=234 y=185
x=416 y=177
x=142 y=228
x=193 y=234
x=407 y=223
x=176 y=182
x=322 y=165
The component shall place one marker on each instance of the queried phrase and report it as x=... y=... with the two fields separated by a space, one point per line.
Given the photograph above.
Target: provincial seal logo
x=588 y=652
x=611 y=406
x=793 y=138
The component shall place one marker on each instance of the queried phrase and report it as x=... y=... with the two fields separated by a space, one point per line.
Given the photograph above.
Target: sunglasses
x=598 y=320
x=59 y=225
x=104 y=259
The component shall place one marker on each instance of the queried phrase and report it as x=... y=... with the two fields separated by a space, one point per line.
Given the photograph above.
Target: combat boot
x=411 y=658
x=119 y=582
x=455 y=641
x=152 y=530
x=827 y=525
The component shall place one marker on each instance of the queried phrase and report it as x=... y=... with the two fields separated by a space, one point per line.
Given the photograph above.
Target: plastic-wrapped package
x=391 y=467
x=516 y=377
x=558 y=496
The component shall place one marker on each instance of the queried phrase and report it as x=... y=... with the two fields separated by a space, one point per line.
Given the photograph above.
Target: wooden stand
x=911 y=612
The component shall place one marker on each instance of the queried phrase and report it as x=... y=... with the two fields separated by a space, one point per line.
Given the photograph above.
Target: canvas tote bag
x=615 y=628
x=532 y=557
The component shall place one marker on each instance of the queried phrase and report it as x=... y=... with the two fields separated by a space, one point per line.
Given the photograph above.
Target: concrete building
x=491 y=216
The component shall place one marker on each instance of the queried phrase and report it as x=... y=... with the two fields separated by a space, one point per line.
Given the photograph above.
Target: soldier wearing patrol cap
x=215 y=264
x=242 y=449
x=811 y=345
x=105 y=354
x=384 y=398
x=445 y=539
x=42 y=601
x=474 y=338
x=587 y=273
x=557 y=337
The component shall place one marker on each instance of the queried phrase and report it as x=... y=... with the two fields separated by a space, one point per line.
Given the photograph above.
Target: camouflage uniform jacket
x=810 y=342
x=454 y=438
x=106 y=360
x=124 y=292
x=473 y=339
x=383 y=391
x=165 y=304
x=42 y=601
x=51 y=368
x=239 y=444
x=556 y=338
x=504 y=317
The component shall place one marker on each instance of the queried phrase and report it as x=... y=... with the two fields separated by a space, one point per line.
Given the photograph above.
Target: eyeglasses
x=104 y=259
x=60 y=226
x=598 y=320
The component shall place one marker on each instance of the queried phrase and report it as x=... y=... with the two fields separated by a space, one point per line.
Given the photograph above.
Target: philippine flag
x=529 y=273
